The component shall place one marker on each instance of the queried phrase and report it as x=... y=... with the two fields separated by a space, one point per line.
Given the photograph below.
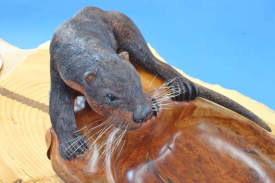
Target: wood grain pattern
x=22 y=127
x=23 y=123
x=190 y=142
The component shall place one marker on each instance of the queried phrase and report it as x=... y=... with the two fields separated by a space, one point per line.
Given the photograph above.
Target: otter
x=88 y=54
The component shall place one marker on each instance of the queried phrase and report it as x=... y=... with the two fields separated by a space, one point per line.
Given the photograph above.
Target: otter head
x=115 y=92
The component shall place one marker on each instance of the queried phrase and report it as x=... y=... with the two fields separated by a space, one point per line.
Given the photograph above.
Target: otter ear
x=89 y=76
x=124 y=55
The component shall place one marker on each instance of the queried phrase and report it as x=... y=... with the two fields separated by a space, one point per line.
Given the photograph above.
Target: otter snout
x=141 y=113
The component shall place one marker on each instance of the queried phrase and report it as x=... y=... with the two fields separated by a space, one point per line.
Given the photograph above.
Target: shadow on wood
x=190 y=142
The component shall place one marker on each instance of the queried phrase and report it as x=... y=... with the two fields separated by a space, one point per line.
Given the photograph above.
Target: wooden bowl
x=190 y=142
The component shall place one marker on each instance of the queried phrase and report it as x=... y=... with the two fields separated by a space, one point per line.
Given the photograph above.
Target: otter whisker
x=166 y=104
x=166 y=85
x=113 y=144
x=81 y=129
x=150 y=84
x=84 y=127
x=160 y=107
x=121 y=148
x=160 y=94
x=98 y=126
x=103 y=143
x=109 y=143
x=169 y=91
x=75 y=140
x=156 y=107
x=161 y=98
x=165 y=98
x=171 y=80
x=102 y=132
x=119 y=139
x=86 y=134
x=108 y=146
x=75 y=149
x=163 y=101
x=163 y=86
x=72 y=146
x=101 y=146
x=168 y=95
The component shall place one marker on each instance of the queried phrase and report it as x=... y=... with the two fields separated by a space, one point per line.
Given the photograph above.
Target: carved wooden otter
x=88 y=56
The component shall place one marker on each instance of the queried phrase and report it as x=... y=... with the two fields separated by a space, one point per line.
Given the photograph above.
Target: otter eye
x=110 y=98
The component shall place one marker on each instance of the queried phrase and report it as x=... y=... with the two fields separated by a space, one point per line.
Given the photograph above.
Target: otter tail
x=230 y=104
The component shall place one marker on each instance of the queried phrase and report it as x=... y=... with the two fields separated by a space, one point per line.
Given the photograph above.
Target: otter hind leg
x=130 y=39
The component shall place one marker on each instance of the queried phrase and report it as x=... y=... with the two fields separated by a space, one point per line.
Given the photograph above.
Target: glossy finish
x=190 y=142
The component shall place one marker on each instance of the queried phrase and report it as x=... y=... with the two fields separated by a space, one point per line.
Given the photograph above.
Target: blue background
x=229 y=42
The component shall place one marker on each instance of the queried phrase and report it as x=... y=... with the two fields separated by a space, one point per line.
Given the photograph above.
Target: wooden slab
x=24 y=119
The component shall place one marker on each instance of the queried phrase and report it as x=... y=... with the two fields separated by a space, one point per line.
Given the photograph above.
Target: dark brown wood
x=190 y=142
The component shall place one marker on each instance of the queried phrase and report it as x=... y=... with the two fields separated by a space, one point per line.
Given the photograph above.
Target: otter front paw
x=182 y=89
x=71 y=146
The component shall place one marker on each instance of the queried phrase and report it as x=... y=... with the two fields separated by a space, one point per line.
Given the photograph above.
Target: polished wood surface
x=189 y=142
x=23 y=125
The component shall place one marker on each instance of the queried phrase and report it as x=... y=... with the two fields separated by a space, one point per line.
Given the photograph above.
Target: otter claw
x=182 y=89
x=73 y=146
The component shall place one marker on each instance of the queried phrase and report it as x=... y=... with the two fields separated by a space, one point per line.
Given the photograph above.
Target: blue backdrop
x=229 y=42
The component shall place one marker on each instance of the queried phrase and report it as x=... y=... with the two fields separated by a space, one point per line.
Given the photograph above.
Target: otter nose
x=141 y=112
